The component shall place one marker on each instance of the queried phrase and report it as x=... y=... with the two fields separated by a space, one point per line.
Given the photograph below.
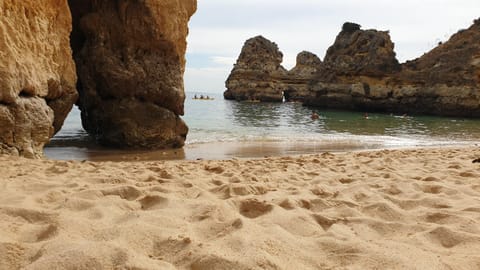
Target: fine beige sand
x=389 y=209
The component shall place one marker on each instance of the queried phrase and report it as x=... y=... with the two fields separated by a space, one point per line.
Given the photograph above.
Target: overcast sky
x=220 y=27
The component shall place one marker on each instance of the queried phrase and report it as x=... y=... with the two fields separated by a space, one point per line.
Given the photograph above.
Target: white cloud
x=222 y=60
x=206 y=79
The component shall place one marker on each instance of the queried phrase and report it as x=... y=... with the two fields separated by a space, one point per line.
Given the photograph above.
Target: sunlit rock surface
x=37 y=74
x=130 y=58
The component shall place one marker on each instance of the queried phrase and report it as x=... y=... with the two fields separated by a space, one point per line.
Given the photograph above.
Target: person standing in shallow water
x=314 y=115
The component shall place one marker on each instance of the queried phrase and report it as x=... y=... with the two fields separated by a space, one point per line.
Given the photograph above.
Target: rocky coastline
x=129 y=58
x=360 y=72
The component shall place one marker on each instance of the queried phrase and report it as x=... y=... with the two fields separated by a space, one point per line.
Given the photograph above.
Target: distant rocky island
x=361 y=72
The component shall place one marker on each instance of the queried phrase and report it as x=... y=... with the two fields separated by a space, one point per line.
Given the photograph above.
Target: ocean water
x=260 y=127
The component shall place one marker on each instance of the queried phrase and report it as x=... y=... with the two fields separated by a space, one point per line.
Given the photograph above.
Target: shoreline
x=349 y=210
x=227 y=150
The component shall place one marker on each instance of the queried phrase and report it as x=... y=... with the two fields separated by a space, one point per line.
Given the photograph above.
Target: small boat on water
x=203 y=98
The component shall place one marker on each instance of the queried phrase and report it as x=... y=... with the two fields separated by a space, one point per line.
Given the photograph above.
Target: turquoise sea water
x=216 y=123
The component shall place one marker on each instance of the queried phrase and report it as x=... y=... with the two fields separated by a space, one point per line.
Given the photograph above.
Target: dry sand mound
x=403 y=209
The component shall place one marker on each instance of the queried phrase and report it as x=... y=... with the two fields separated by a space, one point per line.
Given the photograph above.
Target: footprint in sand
x=346 y=180
x=324 y=222
x=33 y=226
x=228 y=191
x=252 y=208
x=216 y=262
x=127 y=192
x=476 y=187
x=455 y=166
x=76 y=204
x=214 y=169
x=152 y=202
x=445 y=237
x=217 y=182
x=45 y=232
x=432 y=189
x=59 y=168
x=162 y=173
x=430 y=179
x=469 y=175
x=168 y=247
x=439 y=218
x=392 y=190
x=383 y=211
x=287 y=204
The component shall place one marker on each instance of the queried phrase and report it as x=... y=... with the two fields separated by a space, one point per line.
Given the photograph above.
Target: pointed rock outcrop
x=359 y=52
x=297 y=85
x=257 y=73
x=307 y=66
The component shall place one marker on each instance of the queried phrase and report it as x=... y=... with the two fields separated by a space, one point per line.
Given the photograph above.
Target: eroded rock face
x=307 y=66
x=297 y=85
x=130 y=63
x=453 y=63
x=444 y=81
x=360 y=72
x=37 y=73
x=361 y=52
x=258 y=72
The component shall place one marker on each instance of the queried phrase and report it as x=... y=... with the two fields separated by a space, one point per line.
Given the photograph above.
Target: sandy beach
x=388 y=209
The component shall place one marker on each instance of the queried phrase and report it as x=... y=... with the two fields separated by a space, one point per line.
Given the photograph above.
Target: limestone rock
x=37 y=73
x=360 y=72
x=361 y=52
x=308 y=64
x=130 y=63
x=444 y=81
x=297 y=85
x=453 y=63
x=257 y=73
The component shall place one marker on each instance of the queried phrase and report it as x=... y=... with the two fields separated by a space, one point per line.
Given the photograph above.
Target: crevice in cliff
x=78 y=9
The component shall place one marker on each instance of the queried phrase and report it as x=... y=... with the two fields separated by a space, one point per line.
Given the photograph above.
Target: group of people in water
x=315 y=116
x=201 y=97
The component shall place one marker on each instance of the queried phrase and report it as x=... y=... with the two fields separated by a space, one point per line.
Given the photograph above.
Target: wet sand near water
x=208 y=151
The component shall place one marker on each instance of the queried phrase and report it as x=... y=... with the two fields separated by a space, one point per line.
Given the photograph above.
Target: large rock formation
x=444 y=81
x=258 y=72
x=130 y=60
x=357 y=62
x=37 y=74
x=359 y=52
x=360 y=72
x=454 y=63
x=297 y=83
